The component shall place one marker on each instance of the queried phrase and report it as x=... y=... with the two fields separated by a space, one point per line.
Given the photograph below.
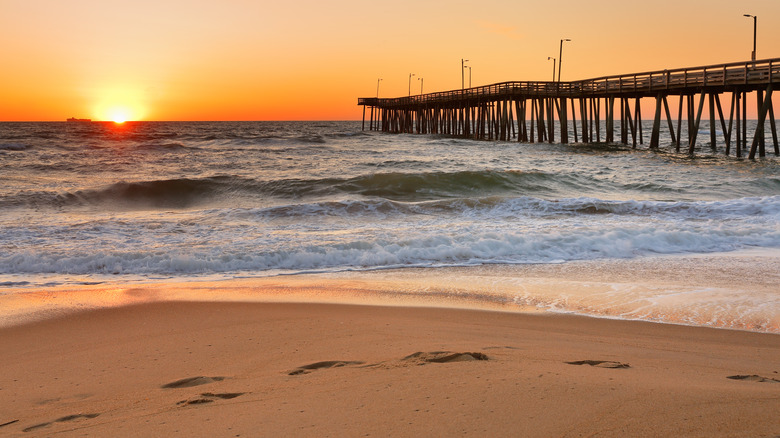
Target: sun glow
x=118 y=115
x=119 y=105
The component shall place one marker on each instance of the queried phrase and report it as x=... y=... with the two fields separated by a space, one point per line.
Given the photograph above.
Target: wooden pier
x=527 y=111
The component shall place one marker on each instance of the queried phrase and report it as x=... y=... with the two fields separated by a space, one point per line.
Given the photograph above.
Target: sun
x=119 y=114
x=119 y=117
x=119 y=108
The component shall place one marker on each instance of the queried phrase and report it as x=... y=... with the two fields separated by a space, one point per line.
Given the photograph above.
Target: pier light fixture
x=422 y=80
x=549 y=58
x=377 y=87
x=755 y=25
x=463 y=73
x=560 y=58
x=410 y=84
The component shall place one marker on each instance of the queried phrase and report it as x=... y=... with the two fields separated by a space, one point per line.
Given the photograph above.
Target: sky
x=312 y=59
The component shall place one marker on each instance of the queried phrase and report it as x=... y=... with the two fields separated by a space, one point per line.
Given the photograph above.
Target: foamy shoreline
x=735 y=290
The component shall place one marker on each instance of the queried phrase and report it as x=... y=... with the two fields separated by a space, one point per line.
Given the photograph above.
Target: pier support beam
x=695 y=126
x=584 y=120
x=669 y=120
x=758 y=137
x=654 y=136
x=726 y=134
x=679 y=124
x=562 y=120
x=574 y=120
x=712 y=121
x=610 y=115
x=772 y=123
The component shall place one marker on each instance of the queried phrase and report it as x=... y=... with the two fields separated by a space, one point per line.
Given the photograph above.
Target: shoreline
x=239 y=369
x=736 y=290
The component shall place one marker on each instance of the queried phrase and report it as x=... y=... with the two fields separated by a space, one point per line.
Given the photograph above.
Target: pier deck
x=526 y=111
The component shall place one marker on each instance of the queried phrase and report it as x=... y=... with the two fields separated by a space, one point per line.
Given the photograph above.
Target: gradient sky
x=312 y=59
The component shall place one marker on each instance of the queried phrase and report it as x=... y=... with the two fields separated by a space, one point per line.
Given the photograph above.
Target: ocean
x=100 y=203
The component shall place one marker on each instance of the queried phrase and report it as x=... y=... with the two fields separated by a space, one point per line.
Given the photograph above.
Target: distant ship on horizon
x=73 y=119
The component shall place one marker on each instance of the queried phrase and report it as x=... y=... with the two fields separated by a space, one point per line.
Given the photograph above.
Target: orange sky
x=312 y=59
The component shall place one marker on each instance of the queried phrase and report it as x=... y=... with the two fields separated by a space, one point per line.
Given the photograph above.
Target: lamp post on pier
x=422 y=80
x=560 y=59
x=755 y=25
x=463 y=73
x=410 y=84
x=377 y=87
x=549 y=58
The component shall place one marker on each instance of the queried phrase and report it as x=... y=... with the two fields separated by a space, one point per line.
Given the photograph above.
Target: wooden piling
x=669 y=120
x=737 y=99
x=597 y=119
x=758 y=137
x=774 y=128
x=610 y=114
x=574 y=120
x=638 y=119
x=695 y=126
x=711 y=107
x=679 y=124
x=584 y=120
x=655 y=135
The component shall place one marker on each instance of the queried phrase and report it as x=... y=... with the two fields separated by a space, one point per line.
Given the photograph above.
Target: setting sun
x=118 y=116
x=118 y=113
x=119 y=103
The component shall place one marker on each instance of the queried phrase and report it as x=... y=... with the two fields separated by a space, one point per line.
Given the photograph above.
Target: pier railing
x=742 y=75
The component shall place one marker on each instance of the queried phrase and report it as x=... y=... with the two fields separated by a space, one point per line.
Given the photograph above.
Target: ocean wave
x=414 y=187
x=432 y=185
x=13 y=146
x=751 y=206
x=499 y=207
x=311 y=138
x=171 y=193
x=487 y=193
x=136 y=136
x=164 y=146
x=170 y=250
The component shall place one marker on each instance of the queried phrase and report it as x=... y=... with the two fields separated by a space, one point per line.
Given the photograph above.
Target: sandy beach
x=308 y=219
x=184 y=368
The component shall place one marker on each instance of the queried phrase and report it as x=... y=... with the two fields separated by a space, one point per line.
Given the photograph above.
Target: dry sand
x=229 y=369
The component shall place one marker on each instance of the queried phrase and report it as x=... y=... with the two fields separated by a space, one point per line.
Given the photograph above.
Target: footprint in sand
x=422 y=358
x=209 y=397
x=754 y=378
x=601 y=363
x=192 y=381
x=320 y=365
x=9 y=423
x=60 y=420
x=419 y=358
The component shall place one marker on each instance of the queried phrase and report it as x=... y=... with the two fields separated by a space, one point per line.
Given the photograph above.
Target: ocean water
x=86 y=203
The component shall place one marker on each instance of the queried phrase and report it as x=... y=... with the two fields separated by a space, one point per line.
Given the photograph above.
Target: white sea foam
x=229 y=241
